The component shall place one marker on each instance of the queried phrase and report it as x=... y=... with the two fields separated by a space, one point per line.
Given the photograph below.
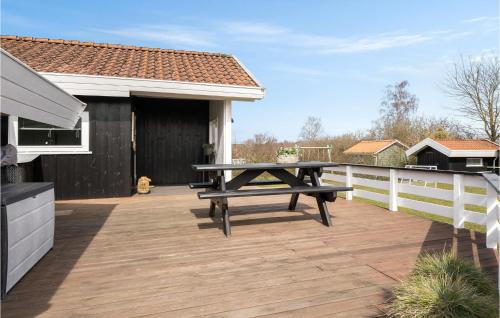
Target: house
x=378 y=152
x=458 y=155
x=149 y=112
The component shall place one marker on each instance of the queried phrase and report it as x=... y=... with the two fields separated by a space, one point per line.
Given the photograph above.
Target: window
x=39 y=138
x=474 y=162
x=32 y=133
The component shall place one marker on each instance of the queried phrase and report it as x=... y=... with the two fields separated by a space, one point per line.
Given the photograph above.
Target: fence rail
x=461 y=197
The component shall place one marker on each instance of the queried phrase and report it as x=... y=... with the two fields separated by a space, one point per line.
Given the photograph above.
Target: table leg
x=211 y=213
x=224 y=206
x=323 y=209
x=225 y=218
x=295 y=196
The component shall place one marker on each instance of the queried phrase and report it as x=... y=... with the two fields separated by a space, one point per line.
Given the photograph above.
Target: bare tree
x=397 y=113
x=312 y=129
x=476 y=83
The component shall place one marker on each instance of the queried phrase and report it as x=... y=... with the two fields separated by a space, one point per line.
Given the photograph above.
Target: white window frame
x=84 y=148
x=467 y=164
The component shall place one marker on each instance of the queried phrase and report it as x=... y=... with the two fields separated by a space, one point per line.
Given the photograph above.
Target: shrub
x=445 y=286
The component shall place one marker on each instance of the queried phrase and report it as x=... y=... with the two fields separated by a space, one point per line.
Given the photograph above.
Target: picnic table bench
x=217 y=190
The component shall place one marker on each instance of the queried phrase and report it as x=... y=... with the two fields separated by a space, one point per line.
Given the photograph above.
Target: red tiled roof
x=368 y=146
x=89 y=58
x=455 y=144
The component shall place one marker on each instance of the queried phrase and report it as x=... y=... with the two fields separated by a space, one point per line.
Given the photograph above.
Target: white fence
x=462 y=197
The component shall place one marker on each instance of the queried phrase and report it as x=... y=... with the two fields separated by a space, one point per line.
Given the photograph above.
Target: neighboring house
x=458 y=155
x=149 y=112
x=378 y=152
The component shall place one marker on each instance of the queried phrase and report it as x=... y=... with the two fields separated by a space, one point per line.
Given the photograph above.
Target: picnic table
x=218 y=190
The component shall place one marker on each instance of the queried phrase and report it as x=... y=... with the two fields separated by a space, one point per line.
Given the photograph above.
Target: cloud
x=252 y=29
x=485 y=55
x=297 y=70
x=486 y=24
x=480 y=19
x=371 y=43
x=168 y=34
x=412 y=70
x=279 y=37
x=315 y=43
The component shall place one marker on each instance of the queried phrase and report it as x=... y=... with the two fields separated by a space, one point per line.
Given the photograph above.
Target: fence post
x=492 y=217
x=393 y=190
x=348 y=182
x=458 y=201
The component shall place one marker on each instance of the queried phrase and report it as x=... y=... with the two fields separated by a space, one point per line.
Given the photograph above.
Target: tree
x=312 y=129
x=476 y=83
x=397 y=113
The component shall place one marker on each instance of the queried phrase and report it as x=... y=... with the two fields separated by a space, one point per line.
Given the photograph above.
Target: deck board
x=162 y=256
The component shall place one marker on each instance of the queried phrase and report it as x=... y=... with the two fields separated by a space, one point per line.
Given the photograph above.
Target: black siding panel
x=170 y=135
x=107 y=171
x=430 y=156
x=459 y=164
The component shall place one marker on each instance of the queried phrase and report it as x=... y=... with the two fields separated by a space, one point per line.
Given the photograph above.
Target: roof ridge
x=457 y=139
x=109 y=45
x=378 y=140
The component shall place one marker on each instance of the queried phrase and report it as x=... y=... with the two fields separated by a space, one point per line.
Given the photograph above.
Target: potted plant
x=287 y=155
x=208 y=149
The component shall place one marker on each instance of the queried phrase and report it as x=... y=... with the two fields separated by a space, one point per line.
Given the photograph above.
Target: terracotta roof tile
x=368 y=146
x=455 y=144
x=89 y=58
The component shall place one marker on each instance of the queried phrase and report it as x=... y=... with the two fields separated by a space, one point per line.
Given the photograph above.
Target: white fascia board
x=473 y=153
x=248 y=71
x=94 y=85
x=428 y=142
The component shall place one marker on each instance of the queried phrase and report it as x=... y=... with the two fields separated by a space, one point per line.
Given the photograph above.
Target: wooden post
x=393 y=190
x=492 y=217
x=458 y=201
x=348 y=182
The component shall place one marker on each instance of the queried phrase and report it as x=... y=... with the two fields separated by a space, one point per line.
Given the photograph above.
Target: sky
x=328 y=59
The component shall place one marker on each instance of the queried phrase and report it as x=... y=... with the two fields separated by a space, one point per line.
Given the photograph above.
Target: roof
x=372 y=146
x=455 y=144
x=89 y=58
x=458 y=148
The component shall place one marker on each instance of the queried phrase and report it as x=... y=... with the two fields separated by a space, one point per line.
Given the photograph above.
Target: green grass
x=475 y=208
x=443 y=285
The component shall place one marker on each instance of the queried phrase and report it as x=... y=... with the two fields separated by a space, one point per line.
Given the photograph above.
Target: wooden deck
x=162 y=256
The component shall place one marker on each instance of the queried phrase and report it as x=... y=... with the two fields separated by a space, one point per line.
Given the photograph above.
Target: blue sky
x=330 y=59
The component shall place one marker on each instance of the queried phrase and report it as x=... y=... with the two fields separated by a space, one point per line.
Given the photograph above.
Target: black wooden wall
x=170 y=138
x=431 y=157
x=107 y=172
x=459 y=164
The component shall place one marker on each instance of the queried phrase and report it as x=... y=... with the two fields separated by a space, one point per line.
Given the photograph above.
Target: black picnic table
x=218 y=190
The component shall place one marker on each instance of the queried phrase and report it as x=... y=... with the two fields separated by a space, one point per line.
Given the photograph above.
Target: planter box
x=287 y=159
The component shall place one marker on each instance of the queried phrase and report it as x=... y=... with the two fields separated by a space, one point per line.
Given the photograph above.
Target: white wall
x=222 y=110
